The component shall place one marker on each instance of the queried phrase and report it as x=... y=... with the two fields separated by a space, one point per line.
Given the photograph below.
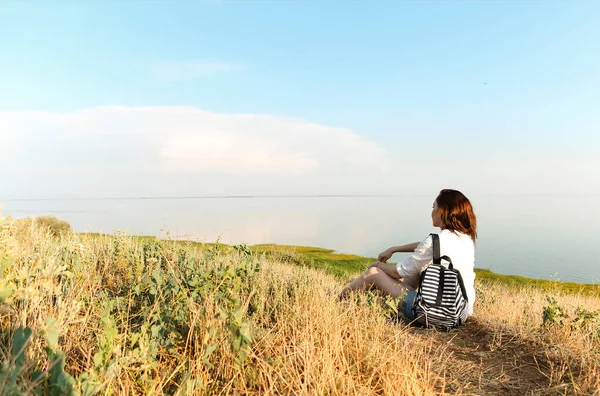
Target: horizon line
x=206 y=197
x=180 y=197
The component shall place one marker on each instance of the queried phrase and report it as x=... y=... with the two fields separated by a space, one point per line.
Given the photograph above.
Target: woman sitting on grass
x=453 y=214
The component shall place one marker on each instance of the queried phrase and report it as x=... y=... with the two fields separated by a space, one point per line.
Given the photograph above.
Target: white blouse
x=459 y=247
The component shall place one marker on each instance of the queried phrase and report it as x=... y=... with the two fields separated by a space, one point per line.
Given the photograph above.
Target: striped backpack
x=441 y=301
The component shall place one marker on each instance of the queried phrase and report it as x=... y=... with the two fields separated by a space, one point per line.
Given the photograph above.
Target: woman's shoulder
x=428 y=241
x=456 y=236
x=447 y=235
x=454 y=233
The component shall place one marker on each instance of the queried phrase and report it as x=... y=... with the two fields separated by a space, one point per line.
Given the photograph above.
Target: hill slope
x=125 y=315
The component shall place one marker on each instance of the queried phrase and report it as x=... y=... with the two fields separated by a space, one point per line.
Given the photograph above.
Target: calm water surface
x=541 y=236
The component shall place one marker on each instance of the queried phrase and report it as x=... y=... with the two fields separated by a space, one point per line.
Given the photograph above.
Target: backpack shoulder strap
x=440 y=290
x=462 y=285
x=436 y=248
x=436 y=252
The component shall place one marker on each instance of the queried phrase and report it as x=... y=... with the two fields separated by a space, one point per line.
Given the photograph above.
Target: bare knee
x=372 y=272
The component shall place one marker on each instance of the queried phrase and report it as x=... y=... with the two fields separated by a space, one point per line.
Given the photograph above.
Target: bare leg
x=412 y=282
x=375 y=277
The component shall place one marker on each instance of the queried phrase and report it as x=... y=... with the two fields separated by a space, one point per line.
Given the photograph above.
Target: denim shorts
x=407 y=304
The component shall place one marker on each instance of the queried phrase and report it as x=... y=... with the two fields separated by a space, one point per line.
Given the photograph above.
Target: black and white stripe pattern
x=441 y=300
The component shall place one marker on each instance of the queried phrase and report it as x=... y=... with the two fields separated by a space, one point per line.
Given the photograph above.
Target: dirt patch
x=489 y=362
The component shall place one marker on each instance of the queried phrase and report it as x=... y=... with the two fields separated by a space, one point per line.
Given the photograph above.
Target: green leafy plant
x=53 y=381
x=588 y=321
x=12 y=368
x=553 y=313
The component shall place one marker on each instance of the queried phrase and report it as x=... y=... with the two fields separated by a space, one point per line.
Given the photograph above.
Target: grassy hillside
x=97 y=314
x=344 y=265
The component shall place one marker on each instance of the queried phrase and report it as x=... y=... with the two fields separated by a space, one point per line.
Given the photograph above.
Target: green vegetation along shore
x=343 y=265
x=346 y=264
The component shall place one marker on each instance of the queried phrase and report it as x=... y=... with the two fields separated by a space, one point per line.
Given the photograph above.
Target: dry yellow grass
x=568 y=343
x=144 y=317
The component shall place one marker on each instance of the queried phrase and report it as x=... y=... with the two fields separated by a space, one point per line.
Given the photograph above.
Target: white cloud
x=156 y=151
x=179 y=71
x=232 y=153
x=176 y=139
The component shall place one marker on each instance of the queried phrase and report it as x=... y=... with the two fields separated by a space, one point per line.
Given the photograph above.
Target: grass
x=337 y=264
x=343 y=265
x=555 y=287
x=99 y=314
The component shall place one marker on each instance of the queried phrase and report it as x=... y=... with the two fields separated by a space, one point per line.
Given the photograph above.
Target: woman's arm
x=385 y=256
x=389 y=269
x=411 y=267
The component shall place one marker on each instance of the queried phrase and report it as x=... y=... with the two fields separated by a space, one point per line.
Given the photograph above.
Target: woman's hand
x=385 y=256
x=375 y=264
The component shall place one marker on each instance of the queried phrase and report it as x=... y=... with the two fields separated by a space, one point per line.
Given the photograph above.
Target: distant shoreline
x=260 y=196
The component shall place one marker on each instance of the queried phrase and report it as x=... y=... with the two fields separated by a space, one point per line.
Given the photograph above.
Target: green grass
x=347 y=264
x=343 y=265
x=338 y=264
x=556 y=287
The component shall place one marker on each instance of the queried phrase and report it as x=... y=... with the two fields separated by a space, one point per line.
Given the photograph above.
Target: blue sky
x=296 y=96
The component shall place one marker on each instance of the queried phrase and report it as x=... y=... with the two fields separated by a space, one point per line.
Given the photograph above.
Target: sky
x=193 y=98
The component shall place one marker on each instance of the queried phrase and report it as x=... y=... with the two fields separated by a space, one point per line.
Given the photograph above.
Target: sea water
x=540 y=236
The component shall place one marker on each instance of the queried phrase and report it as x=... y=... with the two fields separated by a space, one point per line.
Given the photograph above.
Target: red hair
x=457 y=213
